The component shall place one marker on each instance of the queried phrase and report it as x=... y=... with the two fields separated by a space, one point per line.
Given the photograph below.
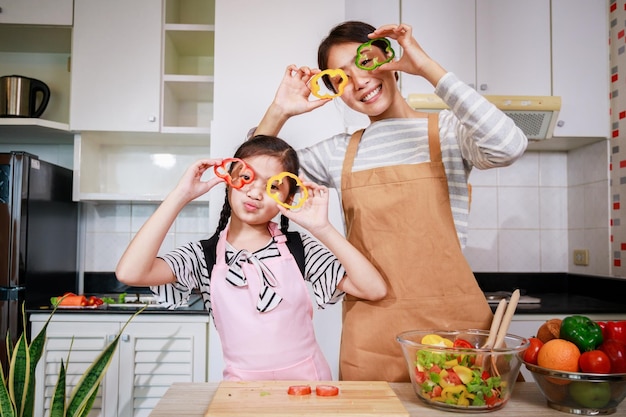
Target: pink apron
x=274 y=345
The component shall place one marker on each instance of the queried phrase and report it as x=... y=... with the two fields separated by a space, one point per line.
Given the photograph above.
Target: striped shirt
x=321 y=268
x=473 y=133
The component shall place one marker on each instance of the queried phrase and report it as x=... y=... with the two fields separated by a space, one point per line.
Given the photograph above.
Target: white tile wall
x=529 y=217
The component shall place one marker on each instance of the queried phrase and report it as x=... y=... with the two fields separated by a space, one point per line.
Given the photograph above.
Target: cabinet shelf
x=114 y=166
x=34 y=130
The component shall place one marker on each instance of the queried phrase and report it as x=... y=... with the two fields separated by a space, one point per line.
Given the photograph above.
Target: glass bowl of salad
x=451 y=370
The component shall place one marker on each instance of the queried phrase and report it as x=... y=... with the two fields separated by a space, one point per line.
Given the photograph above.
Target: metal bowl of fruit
x=581 y=367
x=451 y=370
x=578 y=392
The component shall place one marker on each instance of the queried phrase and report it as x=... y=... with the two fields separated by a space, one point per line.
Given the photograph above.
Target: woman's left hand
x=313 y=215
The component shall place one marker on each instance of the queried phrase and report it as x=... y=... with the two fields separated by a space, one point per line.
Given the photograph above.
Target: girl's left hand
x=313 y=214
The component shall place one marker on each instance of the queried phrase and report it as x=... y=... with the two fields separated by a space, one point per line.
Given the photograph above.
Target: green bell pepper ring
x=366 y=58
x=581 y=331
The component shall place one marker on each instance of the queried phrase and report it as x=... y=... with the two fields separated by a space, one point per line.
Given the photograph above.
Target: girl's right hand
x=292 y=96
x=191 y=185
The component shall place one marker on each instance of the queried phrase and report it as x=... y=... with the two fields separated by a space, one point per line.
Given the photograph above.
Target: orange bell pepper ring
x=332 y=73
x=277 y=180
x=239 y=175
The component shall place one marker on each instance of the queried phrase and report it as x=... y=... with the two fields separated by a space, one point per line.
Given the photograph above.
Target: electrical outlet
x=581 y=257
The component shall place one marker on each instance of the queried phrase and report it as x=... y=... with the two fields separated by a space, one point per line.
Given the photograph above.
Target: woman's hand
x=313 y=215
x=414 y=59
x=292 y=96
x=191 y=185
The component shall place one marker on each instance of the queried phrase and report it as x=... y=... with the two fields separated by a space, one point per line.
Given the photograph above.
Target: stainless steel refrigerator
x=38 y=238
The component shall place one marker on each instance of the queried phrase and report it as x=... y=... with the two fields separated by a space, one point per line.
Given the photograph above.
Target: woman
x=403 y=187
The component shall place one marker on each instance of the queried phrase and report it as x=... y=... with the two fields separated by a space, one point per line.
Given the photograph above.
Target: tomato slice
x=326 y=390
x=299 y=390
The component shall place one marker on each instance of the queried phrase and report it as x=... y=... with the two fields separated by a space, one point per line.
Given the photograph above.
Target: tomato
x=326 y=390
x=530 y=355
x=436 y=391
x=462 y=343
x=616 y=352
x=453 y=378
x=299 y=390
x=420 y=377
x=595 y=362
x=493 y=399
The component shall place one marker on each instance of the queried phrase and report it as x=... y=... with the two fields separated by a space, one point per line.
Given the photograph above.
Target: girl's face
x=251 y=204
x=365 y=92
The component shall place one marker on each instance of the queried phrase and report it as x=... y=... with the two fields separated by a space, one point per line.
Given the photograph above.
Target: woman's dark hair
x=346 y=32
x=265 y=146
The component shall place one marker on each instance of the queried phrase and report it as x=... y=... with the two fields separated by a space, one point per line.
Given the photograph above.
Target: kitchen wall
x=529 y=217
x=617 y=26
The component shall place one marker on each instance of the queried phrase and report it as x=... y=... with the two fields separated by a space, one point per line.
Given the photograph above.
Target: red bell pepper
x=615 y=330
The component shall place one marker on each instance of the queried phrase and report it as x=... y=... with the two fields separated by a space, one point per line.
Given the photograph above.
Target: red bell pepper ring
x=238 y=175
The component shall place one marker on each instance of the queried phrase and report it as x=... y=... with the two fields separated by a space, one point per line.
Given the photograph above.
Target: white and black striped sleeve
x=323 y=270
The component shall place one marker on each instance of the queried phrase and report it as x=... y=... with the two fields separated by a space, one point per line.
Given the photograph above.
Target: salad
x=455 y=378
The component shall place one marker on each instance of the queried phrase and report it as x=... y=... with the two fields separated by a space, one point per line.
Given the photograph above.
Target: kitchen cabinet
x=580 y=67
x=500 y=47
x=36 y=12
x=116 y=66
x=154 y=351
x=148 y=69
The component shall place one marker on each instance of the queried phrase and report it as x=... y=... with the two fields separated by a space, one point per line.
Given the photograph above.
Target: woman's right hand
x=292 y=96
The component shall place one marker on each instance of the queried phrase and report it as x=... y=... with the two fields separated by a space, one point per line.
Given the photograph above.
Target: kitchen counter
x=193 y=399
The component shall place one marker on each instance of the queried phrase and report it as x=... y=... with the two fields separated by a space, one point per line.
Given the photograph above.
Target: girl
x=255 y=291
x=403 y=187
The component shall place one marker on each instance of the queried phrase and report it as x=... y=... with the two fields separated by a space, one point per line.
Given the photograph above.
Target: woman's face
x=251 y=203
x=365 y=92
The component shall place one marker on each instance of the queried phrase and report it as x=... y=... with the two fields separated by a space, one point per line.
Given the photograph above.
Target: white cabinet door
x=513 y=47
x=446 y=31
x=580 y=67
x=37 y=12
x=155 y=355
x=153 y=352
x=116 y=66
x=500 y=47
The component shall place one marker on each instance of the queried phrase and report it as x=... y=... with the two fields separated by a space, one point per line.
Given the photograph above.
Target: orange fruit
x=560 y=355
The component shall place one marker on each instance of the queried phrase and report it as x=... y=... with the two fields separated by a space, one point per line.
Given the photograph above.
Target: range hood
x=535 y=115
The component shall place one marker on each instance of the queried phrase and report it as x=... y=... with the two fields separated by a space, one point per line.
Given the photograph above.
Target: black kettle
x=22 y=96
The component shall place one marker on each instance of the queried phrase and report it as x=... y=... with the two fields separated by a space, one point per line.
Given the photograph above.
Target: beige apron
x=400 y=217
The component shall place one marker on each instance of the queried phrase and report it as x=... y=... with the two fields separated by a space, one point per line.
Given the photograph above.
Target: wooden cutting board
x=270 y=398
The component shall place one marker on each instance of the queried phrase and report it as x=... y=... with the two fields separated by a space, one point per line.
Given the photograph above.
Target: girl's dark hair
x=266 y=146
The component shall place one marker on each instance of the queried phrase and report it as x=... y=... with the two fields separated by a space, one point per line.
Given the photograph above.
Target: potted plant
x=17 y=392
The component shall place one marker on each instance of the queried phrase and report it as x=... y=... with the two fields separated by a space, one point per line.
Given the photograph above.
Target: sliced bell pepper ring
x=278 y=179
x=314 y=83
x=369 y=56
x=238 y=175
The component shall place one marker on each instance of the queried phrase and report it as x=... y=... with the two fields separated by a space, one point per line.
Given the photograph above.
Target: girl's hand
x=292 y=96
x=414 y=59
x=191 y=185
x=313 y=215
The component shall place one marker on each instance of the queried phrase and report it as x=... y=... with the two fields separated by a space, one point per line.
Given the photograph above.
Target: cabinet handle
x=152 y=119
x=0 y=9
x=110 y=338
x=125 y=338
x=560 y=123
x=483 y=87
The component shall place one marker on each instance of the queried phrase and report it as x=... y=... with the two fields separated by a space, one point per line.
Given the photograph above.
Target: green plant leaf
x=87 y=387
x=89 y=404
x=57 y=408
x=7 y=408
x=19 y=374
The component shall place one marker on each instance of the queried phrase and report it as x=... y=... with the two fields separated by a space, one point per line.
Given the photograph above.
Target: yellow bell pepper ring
x=369 y=57
x=314 y=83
x=436 y=340
x=278 y=179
